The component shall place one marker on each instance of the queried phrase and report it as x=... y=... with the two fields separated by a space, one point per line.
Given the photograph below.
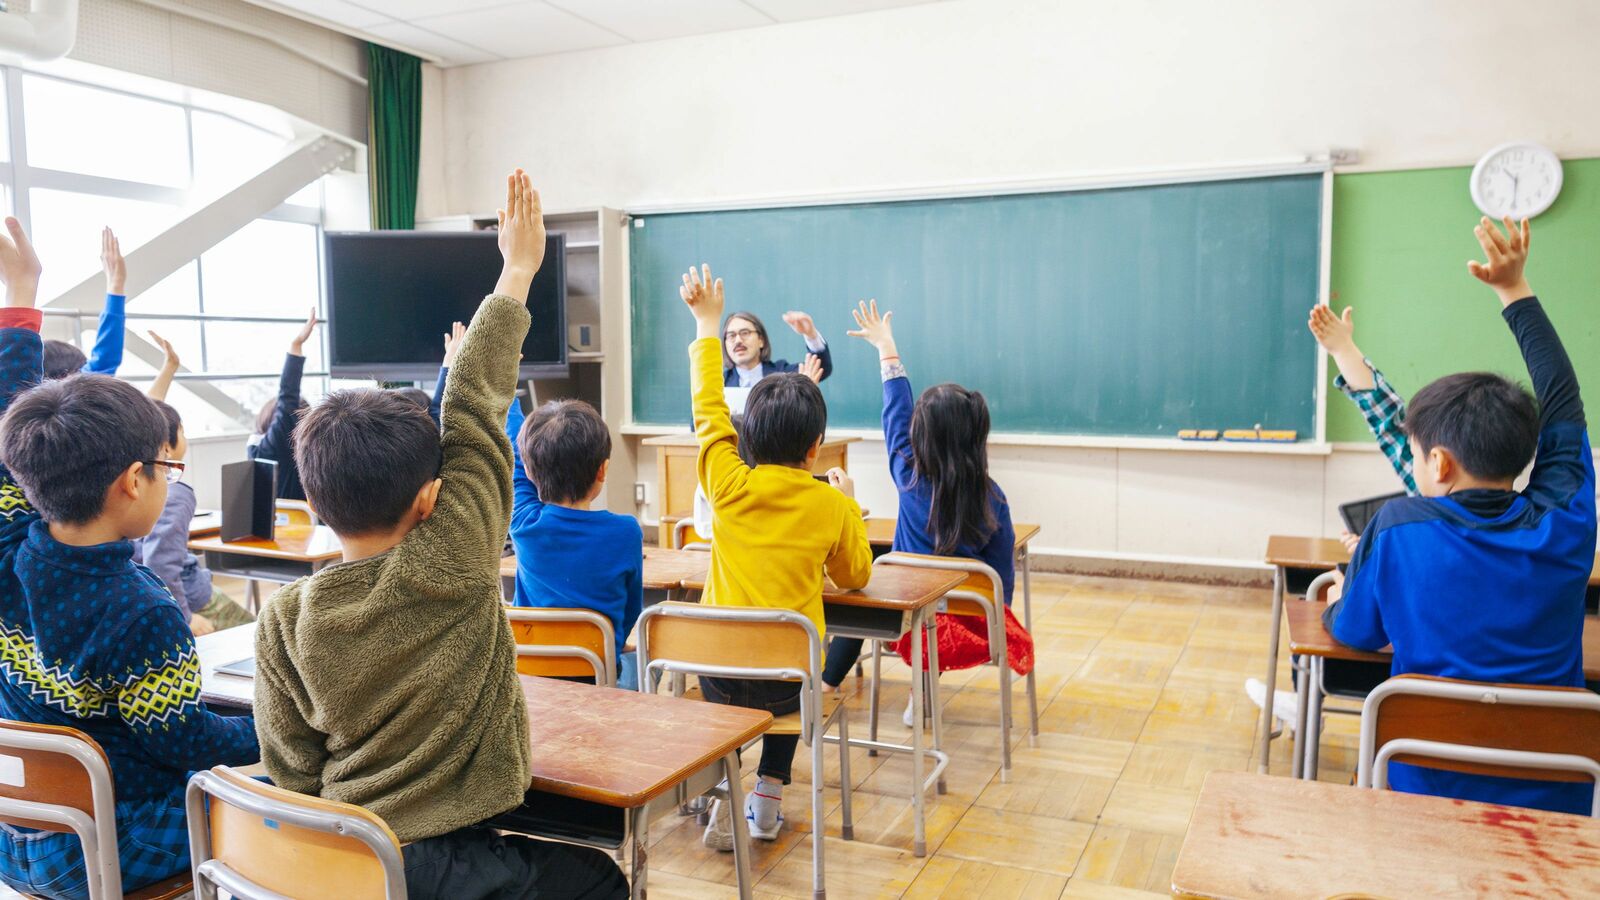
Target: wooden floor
x=1141 y=693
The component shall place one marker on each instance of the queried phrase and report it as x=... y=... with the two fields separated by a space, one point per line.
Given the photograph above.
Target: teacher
x=747 y=354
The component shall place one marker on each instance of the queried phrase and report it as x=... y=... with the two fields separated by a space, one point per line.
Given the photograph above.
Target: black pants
x=842 y=654
x=777 y=697
x=478 y=862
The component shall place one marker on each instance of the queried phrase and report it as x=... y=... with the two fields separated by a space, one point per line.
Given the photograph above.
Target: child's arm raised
x=1563 y=471
x=170 y=364
x=468 y=527
x=897 y=400
x=719 y=455
x=106 y=356
x=1382 y=407
x=452 y=342
x=275 y=440
x=21 y=350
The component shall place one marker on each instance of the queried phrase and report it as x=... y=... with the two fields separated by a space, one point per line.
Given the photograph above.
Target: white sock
x=764 y=802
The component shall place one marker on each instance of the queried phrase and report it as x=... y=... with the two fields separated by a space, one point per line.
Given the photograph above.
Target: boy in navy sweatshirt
x=90 y=639
x=569 y=555
x=1473 y=580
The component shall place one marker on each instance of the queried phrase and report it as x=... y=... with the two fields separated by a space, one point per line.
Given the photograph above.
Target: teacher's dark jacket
x=730 y=374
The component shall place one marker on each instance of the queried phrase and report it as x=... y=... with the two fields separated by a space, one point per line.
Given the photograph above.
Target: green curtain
x=394 y=135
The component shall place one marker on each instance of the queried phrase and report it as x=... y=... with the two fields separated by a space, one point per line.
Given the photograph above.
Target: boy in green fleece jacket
x=389 y=681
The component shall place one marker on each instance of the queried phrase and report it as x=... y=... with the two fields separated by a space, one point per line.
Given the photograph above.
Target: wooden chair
x=259 y=842
x=975 y=597
x=564 y=643
x=755 y=643
x=1509 y=731
x=295 y=512
x=58 y=779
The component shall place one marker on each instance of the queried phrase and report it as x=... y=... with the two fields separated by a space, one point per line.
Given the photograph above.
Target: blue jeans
x=152 y=845
x=628 y=671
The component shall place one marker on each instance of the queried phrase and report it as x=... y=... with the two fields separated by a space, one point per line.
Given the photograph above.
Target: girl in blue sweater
x=949 y=506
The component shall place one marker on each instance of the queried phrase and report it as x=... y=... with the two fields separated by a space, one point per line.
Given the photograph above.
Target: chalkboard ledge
x=1111 y=442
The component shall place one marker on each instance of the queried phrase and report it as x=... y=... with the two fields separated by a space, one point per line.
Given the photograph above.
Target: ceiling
x=462 y=32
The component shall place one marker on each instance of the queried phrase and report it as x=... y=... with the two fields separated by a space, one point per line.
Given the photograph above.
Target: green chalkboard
x=1401 y=241
x=1129 y=311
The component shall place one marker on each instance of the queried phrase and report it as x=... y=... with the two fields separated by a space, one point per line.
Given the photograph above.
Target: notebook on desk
x=244 y=668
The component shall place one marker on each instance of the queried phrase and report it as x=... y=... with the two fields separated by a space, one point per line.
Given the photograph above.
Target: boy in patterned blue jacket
x=89 y=639
x=1472 y=579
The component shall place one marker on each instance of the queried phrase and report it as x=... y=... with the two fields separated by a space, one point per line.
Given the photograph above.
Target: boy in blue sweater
x=569 y=555
x=1473 y=580
x=92 y=640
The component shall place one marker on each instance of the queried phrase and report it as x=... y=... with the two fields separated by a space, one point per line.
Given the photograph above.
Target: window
x=93 y=157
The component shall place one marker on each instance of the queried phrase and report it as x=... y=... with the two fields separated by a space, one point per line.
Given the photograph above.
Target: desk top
x=880 y=532
x=623 y=748
x=1308 y=637
x=218 y=649
x=892 y=587
x=1327 y=553
x=295 y=543
x=1263 y=836
x=668 y=569
x=205 y=522
x=688 y=439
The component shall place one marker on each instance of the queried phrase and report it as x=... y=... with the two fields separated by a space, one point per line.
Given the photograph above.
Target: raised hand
x=1334 y=333
x=522 y=236
x=169 y=367
x=1506 y=255
x=452 y=342
x=297 y=347
x=111 y=260
x=705 y=300
x=874 y=329
x=801 y=323
x=19 y=266
x=812 y=368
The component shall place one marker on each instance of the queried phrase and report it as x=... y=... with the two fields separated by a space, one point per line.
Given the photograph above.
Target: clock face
x=1517 y=180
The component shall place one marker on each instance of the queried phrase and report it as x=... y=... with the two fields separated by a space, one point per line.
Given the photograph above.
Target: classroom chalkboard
x=1132 y=311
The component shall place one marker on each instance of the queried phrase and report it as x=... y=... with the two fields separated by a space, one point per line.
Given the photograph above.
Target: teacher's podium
x=675 y=472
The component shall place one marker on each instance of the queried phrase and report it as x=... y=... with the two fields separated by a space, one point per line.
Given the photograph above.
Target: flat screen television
x=392 y=296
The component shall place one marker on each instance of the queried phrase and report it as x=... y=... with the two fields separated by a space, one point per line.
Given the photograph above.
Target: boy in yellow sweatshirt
x=389 y=680
x=778 y=529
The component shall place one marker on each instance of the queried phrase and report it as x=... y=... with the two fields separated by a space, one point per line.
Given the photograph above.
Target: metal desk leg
x=1303 y=694
x=638 y=828
x=872 y=698
x=1027 y=622
x=741 y=833
x=919 y=845
x=1272 y=670
x=933 y=695
x=1314 y=720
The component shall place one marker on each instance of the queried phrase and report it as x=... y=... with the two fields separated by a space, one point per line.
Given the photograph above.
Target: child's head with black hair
x=87 y=449
x=565 y=448
x=61 y=359
x=1477 y=423
x=415 y=395
x=369 y=460
x=784 y=419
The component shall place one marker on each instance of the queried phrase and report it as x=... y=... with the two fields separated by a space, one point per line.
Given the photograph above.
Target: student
x=451 y=342
x=747 y=354
x=1472 y=579
x=166 y=550
x=274 y=437
x=568 y=554
x=949 y=506
x=61 y=358
x=389 y=681
x=93 y=640
x=778 y=530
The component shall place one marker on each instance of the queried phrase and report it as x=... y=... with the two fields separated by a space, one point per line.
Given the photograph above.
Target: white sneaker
x=719 y=831
x=1285 y=704
x=910 y=717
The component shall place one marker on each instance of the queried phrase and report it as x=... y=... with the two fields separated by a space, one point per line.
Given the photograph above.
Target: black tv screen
x=392 y=296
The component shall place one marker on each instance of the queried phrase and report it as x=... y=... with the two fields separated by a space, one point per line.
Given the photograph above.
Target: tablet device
x=1356 y=515
x=244 y=668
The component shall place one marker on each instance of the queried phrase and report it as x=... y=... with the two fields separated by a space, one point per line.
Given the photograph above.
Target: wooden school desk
x=898 y=600
x=675 y=473
x=1309 y=638
x=1295 y=562
x=205 y=523
x=294 y=552
x=1253 y=836
x=600 y=755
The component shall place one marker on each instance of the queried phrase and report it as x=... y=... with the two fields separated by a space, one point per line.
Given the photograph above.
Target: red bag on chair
x=964 y=643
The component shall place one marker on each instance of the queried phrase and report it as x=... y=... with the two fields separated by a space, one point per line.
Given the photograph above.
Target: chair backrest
x=57 y=779
x=296 y=512
x=564 y=643
x=685 y=537
x=1510 y=731
x=973 y=597
x=1317 y=590
x=254 y=840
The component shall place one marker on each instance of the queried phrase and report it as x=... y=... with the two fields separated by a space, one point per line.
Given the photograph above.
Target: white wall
x=1003 y=90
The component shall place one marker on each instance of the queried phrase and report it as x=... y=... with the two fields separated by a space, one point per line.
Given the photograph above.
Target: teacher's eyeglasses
x=743 y=334
x=174 y=468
